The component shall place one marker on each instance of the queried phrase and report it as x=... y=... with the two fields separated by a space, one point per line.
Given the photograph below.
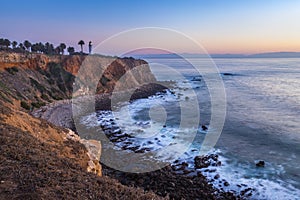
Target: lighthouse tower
x=90 y=47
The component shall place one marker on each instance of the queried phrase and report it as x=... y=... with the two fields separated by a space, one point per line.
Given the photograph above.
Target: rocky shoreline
x=175 y=181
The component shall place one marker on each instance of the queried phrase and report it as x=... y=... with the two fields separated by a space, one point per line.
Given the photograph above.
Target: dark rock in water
x=173 y=167
x=260 y=163
x=226 y=184
x=228 y=74
x=134 y=149
x=216 y=176
x=184 y=164
x=196 y=79
x=128 y=143
x=214 y=157
x=201 y=162
x=204 y=128
x=140 y=151
x=247 y=190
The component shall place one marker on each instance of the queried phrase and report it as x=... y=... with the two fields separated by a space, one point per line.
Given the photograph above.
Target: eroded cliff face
x=33 y=80
x=29 y=81
x=38 y=159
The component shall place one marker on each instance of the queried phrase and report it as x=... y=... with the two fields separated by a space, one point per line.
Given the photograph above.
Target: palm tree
x=6 y=43
x=34 y=48
x=41 y=48
x=1 y=43
x=27 y=44
x=81 y=43
x=57 y=50
x=14 y=44
x=71 y=50
x=62 y=47
x=21 y=46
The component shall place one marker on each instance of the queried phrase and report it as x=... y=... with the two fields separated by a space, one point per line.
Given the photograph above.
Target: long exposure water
x=262 y=121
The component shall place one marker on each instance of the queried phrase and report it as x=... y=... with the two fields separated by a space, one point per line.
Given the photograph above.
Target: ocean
x=262 y=122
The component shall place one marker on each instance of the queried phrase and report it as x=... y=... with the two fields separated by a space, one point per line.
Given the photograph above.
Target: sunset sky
x=231 y=26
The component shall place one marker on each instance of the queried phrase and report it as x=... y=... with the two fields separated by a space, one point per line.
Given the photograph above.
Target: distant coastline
x=188 y=55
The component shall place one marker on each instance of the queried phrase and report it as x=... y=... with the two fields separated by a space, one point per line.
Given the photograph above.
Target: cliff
x=38 y=159
x=33 y=80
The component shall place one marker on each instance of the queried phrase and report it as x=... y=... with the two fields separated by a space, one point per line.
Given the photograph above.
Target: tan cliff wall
x=37 y=79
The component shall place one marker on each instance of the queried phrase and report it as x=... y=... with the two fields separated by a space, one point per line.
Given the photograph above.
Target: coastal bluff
x=39 y=159
x=38 y=78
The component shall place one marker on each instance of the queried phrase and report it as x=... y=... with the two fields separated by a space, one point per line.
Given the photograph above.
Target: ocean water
x=262 y=122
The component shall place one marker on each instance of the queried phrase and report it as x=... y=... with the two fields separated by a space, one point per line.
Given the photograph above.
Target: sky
x=220 y=26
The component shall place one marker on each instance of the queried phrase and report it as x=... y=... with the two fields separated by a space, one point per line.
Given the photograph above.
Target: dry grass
x=36 y=163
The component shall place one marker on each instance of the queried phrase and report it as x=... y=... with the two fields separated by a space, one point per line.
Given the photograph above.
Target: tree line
x=39 y=47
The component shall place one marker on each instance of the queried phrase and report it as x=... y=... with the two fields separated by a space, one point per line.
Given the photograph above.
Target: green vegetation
x=5 y=98
x=37 y=85
x=4 y=43
x=45 y=48
x=38 y=104
x=81 y=43
x=62 y=47
x=12 y=70
x=62 y=78
x=71 y=50
x=25 y=105
x=4 y=87
x=27 y=45
x=45 y=97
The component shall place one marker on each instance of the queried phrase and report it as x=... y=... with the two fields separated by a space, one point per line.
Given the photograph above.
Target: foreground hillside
x=39 y=162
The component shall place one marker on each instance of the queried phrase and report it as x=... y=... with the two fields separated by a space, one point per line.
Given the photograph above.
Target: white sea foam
x=156 y=136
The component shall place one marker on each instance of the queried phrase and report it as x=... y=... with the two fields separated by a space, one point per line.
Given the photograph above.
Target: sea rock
x=196 y=78
x=204 y=128
x=94 y=153
x=226 y=184
x=201 y=162
x=228 y=74
x=217 y=176
x=260 y=163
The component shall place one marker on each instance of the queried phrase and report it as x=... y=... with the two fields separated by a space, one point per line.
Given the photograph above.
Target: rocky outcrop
x=93 y=152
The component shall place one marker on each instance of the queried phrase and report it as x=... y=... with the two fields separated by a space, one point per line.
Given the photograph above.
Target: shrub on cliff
x=12 y=70
x=25 y=105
